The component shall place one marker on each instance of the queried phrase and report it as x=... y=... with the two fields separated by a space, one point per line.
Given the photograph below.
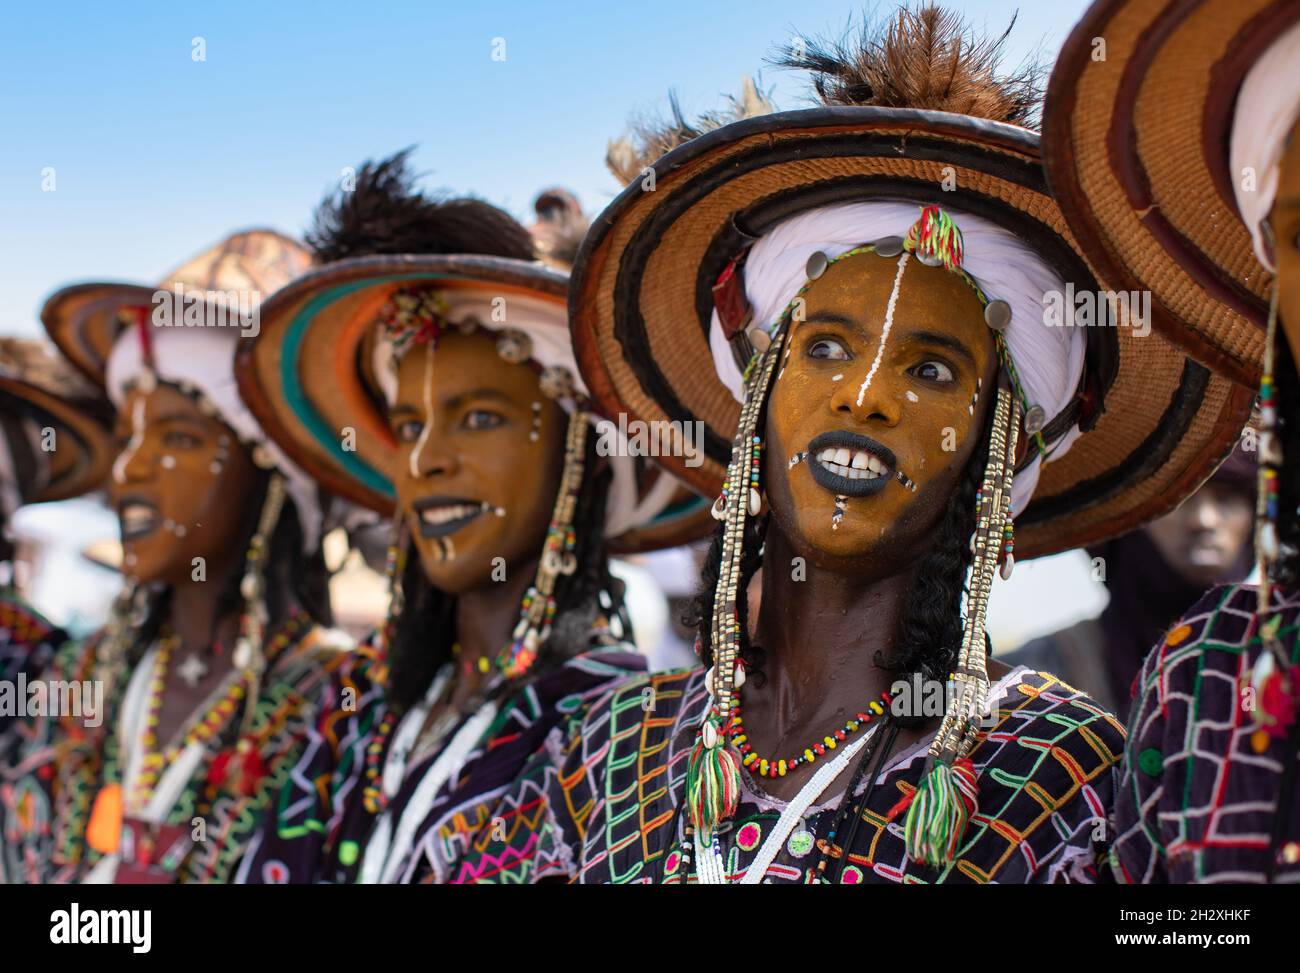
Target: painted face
x=181 y=486
x=872 y=415
x=481 y=454
x=1285 y=220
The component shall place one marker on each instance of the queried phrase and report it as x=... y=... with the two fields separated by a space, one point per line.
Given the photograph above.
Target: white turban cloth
x=547 y=325
x=1268 y=106
x=205 y=358
x=1049 y=360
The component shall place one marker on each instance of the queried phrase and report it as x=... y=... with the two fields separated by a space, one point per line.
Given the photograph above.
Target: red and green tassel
x=935 y=239
x=938 y=812
x=712 y=778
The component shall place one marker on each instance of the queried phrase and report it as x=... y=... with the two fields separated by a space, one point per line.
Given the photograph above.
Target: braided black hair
x=426 y=629
x=1286 y=571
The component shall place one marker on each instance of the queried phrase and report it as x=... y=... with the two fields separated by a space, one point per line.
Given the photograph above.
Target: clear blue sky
x=156 y=155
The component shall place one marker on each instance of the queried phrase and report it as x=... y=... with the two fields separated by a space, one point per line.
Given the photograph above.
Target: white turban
x=547 y=325
x=1049 y=359
x=205 y=358
x=1267 y=108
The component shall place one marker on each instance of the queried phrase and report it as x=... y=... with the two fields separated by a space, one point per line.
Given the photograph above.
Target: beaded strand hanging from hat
x=938 y=811
x=1272 y=677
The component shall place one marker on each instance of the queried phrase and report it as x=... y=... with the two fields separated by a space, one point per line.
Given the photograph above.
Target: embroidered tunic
x=599 y=806
x=27 y=643
x=198 y=829
x=1199 y=792
x=322 y=828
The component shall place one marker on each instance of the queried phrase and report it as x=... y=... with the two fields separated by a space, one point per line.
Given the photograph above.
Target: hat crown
x=250 y=260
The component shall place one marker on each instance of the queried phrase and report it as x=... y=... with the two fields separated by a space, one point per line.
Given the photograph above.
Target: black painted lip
x=135 y=500
x=451 y=526
x=842 y=485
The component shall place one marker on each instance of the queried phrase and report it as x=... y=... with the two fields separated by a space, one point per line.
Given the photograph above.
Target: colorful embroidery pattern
x=46 y=795
x=598 y=803
x=321 y=825
x=1197 y=800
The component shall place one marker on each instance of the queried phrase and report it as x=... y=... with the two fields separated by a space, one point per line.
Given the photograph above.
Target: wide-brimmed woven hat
x=84 y=320
x=642 y=297
x=1136 y=135
x=38 y=390
x=331 y=316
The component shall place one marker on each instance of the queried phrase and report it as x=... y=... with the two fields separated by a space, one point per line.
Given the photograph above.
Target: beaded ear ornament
x=938 y=811
x=1272 y=677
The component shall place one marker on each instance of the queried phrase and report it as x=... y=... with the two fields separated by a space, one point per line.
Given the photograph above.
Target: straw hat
x=39 y=390
x=642 y=291
x=1136 y=146
x=84 y=320
x=330 y=316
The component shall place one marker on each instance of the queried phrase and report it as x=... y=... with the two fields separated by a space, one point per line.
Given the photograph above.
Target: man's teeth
x=852 y=464
x=136 y=515
x=443 y=515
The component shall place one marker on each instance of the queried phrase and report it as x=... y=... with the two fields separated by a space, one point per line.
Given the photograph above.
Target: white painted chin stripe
x=884 y=331
x=428 y=413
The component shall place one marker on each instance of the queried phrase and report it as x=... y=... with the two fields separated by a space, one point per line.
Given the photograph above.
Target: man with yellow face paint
x=1202 y=140
x=203 y=676
x=857 y=298
x=424 y=371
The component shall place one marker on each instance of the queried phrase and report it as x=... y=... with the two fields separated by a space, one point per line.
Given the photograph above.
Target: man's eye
x=828 y=349
x=181 y=440
x=933 y=371
x=482 y=419
x=409 y=431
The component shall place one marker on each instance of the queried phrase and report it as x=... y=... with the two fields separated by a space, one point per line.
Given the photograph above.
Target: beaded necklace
x=751 y=760
x=214 y=718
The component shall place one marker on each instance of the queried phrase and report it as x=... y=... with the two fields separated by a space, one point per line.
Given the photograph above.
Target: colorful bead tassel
x=935 y=239
x=939 y=810
x=712 y=781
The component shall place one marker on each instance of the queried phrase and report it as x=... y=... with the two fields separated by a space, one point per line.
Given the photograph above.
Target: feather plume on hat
x=928 y=58
x=650 y=137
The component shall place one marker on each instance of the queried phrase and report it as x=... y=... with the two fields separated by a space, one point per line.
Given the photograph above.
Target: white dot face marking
x=423 y=439
x=836 y=378
x=912 y=396
x=169 y=462
x=884 y=331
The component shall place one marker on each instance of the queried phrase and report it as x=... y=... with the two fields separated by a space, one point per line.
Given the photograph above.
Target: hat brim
x=331 y=420
x=83 y=450
x=641 y=299
x=1136 y=148
x=82 y=320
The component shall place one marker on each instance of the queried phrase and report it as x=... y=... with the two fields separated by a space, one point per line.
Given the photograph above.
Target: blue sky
x=156 y=155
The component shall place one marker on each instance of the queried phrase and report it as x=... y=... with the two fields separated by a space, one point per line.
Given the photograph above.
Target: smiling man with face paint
x=1209 y=788
x=903 y=426
x=216 y=645
x=874 y=332
x=445 y=346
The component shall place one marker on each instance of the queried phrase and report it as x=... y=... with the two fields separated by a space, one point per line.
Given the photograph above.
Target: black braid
x=1286 y=572
x=426 y=630
x=931 y=628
